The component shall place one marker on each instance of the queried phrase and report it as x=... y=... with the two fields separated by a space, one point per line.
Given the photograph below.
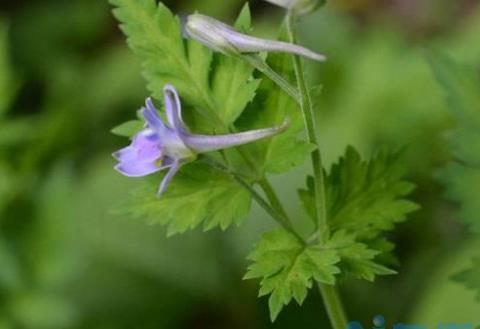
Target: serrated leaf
x=461 y=84
x=287 y=268
x=357 y=258
x=128 y=129
x=471 y=277
x=365 y=198
x=463 y=186
x=462 y=87
x=154 y=34
x=197 y=195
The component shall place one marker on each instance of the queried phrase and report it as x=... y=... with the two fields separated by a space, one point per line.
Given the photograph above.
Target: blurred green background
x=68 y=260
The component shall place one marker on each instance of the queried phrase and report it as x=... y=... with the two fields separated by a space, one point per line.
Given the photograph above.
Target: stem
x=274 y=213
x=329 y=294
x=263 y=67
x=272 y=196
x=310 y=125
x=334 y=306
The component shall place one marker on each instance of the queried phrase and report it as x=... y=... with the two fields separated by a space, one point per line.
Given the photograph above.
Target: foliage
x=200 y=195
x=220 y=94
x=461 y=83
x=68 y=261
x=364 y=199
x=287 y=268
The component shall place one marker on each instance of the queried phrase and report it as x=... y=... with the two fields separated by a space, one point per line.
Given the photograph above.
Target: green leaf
x=463 y=186
x=357 y=258
x=287 y=268
x=271 y=107
x=462 y=178
x=461 y=84
x=365 y=198
x=197 y=195
x=471 y=277
x=154 y=34
x=128 y=129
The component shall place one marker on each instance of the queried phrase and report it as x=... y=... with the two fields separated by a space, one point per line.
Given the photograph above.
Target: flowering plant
x=231 y=81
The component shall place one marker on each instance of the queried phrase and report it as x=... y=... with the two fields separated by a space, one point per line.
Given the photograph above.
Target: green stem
x=272 y=197
x=311 y=127
x=334 y=306
x=274 y=213
x=329 y=294
x=263 y=67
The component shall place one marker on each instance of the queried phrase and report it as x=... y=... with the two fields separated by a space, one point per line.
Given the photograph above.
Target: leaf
x=463 y=186
x=461 y=83
x=287 y=268
x=154 y=34
x=128 y=129
x=364 y=198
x=197 y=195
x=357 y=258
x=271 y=107
x=471 y=277
x=461 y=177
x=367 y=198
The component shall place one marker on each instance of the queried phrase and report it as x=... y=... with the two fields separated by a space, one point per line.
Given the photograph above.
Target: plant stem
x=329 y=294
x=334 y=306
x=311 y=127
x=272 y=197
x=263 y=67
x=273 y=212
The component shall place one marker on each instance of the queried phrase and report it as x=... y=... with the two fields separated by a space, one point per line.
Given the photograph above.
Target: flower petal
x=173 y=108
x=150 y=114
x=168 y=177
x=204 y=143
x=137 y=169
x=145 y=147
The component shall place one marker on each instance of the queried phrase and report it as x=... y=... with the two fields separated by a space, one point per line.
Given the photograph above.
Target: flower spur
x=159 y=146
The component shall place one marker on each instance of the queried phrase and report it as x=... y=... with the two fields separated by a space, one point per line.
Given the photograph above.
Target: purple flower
x=159 y=146
x=225 y=39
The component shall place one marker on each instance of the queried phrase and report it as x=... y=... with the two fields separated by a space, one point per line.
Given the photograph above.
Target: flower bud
x=225 y=39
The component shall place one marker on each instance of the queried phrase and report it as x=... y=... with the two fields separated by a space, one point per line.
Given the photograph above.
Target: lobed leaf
x=357 y=258
x=219 y=95
x=461 y=84
x=198 y=195
x=364 y=198
x=287 y=268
